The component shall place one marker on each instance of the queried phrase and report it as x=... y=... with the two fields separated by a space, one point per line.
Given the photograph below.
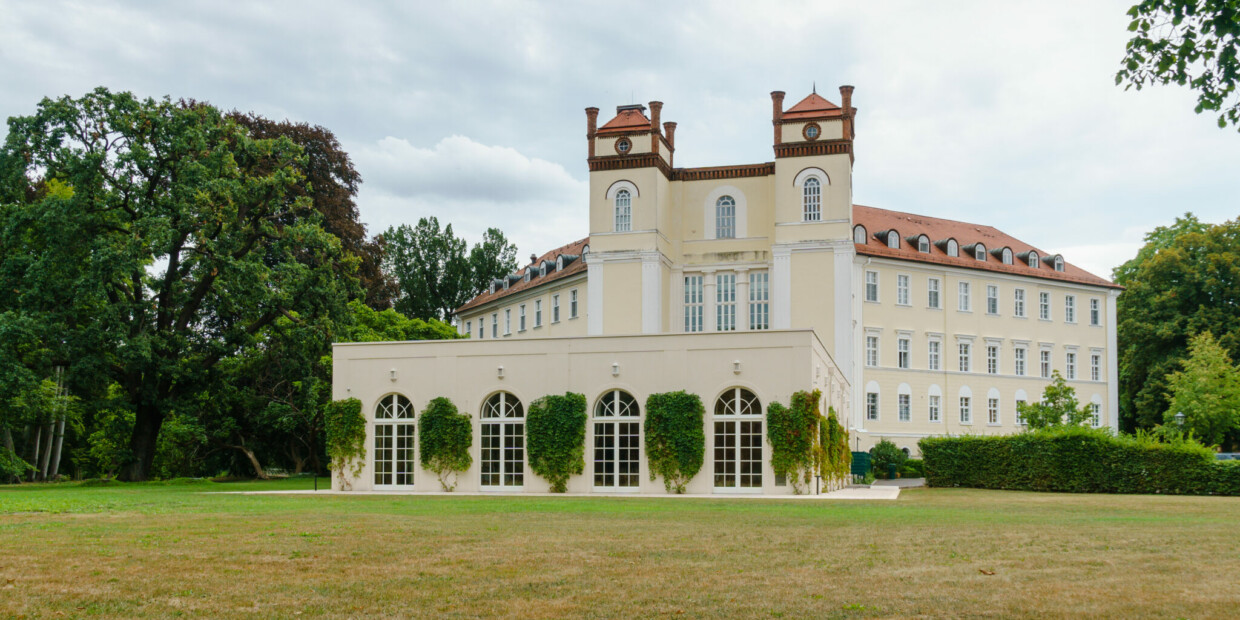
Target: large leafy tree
x=148 y=240
x=1192 y=43
x=1058 y=407
x=433 y=271
x=1186 y=280
x=493 y=257
x=1206 y=391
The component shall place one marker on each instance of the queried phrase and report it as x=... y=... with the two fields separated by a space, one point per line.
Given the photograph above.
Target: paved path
x=903 y=483
x=850 y=493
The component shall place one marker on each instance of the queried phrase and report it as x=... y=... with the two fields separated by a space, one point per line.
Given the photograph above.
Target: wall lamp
x=615 y=369
x=736 y=367
x=499 y=372
x=392 y=375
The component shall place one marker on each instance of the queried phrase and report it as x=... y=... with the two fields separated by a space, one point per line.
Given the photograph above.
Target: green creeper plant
x=555 y=429
x=444 y=439
x=675 y=441
x=834 y=456
x=793 y=435
x=346 y=439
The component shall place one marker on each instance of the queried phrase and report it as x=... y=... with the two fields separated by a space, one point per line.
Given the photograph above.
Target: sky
x=997 y=113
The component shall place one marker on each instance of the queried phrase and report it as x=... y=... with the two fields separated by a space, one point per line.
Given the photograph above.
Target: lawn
x=182 y=549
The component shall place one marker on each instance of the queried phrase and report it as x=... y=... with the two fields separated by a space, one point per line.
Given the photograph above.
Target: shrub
x=556 y=431
x=346 y=438
x=886 y=453
x=444 y=438
x=1078 y=460
x=913 y=468
x=674 y=438
x=792 y=433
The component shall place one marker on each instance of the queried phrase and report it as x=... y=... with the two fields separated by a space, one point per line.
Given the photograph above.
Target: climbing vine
x=675 y=441
x=444 y=439
x=346 y=439
x=556 y=431
x=793 y=433
x=834 y=456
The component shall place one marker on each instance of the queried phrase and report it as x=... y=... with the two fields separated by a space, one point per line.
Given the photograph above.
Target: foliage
x=1078 y=460
x=834 y=456
x=1058 y=407
x=435 y=274
x=1187 y=42
x=1207 y=391
x=793 y=435
x=1184 y=281
x=444 y=438
x=493 y=257
x=346 y=438
x=675 y=440
x=555 y=429
x=913 y=468
x=12 y=467
x=886 y=453
x=371 y=325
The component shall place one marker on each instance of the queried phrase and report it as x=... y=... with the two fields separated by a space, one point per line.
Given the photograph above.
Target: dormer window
x=953 y=248
x=542 y=270
x=585 y=253
x=892 y=239
x=528 y=272
x=859 y=234
x=979 y=252
x=1033 y=260
x=923 y=244
x=505 y=284
x=1007 y=256
x=559 y=262
x=1058 y=262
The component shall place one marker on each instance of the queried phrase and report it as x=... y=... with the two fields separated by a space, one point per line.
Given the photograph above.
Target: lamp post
x=1179 y=419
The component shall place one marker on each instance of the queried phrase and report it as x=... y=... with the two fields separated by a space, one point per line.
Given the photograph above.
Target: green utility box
x=860 y=463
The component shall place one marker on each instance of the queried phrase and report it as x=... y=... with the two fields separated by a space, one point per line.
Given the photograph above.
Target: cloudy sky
x=1002 y=113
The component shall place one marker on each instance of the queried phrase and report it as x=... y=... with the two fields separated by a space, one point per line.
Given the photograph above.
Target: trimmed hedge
x=1077 y=460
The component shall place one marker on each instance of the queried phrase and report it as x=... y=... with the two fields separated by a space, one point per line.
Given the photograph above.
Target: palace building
x=742 y=284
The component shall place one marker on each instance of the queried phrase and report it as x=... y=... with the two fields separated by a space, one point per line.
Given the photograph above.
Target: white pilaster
x=652 y=293
x=677 y=310
x=781 y=287
x=709 y=301
x=1112 y=361
x=844 y=320
x=594 y=289
x=742 y=299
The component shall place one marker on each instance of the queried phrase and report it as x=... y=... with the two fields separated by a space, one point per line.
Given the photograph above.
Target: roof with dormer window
x=573 y=264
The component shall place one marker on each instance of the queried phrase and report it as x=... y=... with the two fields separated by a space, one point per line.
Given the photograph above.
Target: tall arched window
x=394 y=436
x=811 y=200
x=503 y=442
x=725 y=218
x=738 y=441
x=624 y=211
x=617 y=441
x=859 y=234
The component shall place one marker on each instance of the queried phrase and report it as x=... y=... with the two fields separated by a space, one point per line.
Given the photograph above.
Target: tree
x=1058 y=407
x=1187 y=42
x=431 y=268
x=1185 y=280
x=1207 y=391
x=148 y=241
x=493 y=257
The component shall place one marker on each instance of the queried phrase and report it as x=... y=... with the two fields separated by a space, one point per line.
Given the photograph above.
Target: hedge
x=1077 y=460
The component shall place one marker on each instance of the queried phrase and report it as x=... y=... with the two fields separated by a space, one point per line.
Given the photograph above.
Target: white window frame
x=966 y=409
x=1095 y=312
x=1044 y=306
x=495 y=325
x=725 y=302
x=537 y=313
x=572 y=304
x=964 y=355
x=811 y=200
x=694 y=303
x=759 y=300
x=934 y=354
x=893 y=239
x=555 y=308
x=505 y=417
x=965 y=301
x=1045 y=366
x=871 y=406
x=904 y=352
x=992 y=299
x=725 y=217
x=902 y=289
x=859 y=235
x=623 y=221
x=1069 y=308
x=1095 y=367
x=507 y=321
x=1021 y=364
x=992 y=411
x=1069 y=367
x=871 y=286
x=992 y=359
x=521 y=319
x=934 y=293
x=904 y=407
x=934 y=407
x=873 y=345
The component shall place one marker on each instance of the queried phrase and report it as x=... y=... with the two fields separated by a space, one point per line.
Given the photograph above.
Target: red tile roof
x=813 y=106
x=626 y=121
x=938 y=229
x=577 y=266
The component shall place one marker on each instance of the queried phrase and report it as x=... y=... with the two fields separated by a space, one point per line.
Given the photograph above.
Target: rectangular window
x=1069 y=308
x=992 y=299
x=507 y=321
x=759 y=300
x=965 y=362
x=521 y=319
x=1095 y=367
x=1044 y=306
x=932 y=296
x=495 y=325
x=902 y=290
x=1095 y=312
x=537 y=313
x=725 y=302
x=555 y=308
x=902 y=352
x=992 y=411
x=1020 y=419
x=871 y=406
x=1069 y=367
x=966 y=304
x=482 y=328
x=1021 y=353
x=572 y=304
x=1096 y=418
x=966 y=410
x=1046 y=364
x=693 y=303
x=932 y=361
x=871 y=286
x=906 y=404
x=469 y=328
x=992 y=359
x=1018 y=303
x=935 y=404
x=871 y=351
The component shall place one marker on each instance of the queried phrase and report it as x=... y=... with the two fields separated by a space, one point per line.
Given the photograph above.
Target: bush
x=675 y=441
x=555 y=428
x=444 y=439
x=885 y=453
x=913 y=468
x=1078 y=460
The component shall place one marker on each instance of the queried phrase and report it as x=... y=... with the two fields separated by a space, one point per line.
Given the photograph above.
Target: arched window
x=394 y=441
x=1058 y=263
x=979 y=252
x=1033 y=259
x=893 y=239
x=725 y=218
x=811 y=200
x=1007 y=256
x=923 y=244
x=953 y=248
x=624 y=211
x=738 y=441
x=503 y=442
x=859 y=234
x=617 y=442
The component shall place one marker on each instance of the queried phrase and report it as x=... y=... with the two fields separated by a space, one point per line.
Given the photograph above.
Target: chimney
x=533 y=260
x=846 y=101
x=669 y=130
x=591 y=127
x=777 y=113
x=655 y=108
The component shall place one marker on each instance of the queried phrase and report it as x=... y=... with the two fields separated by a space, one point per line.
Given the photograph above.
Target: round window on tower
x=623 y=146
x=811 y=131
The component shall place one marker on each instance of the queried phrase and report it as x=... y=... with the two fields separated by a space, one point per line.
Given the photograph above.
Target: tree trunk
x=33 y=434
x=46 y=456
x=54 y=471
x=299 y=463
x=8 y=445
x=249 y=454
x=147 y=421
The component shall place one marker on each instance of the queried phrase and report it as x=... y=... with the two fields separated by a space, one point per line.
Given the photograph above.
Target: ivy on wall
x=675 y=440
x=792 y=433
x=834 y=455
x=444 y=439
x=556 y=432
x=346 y=439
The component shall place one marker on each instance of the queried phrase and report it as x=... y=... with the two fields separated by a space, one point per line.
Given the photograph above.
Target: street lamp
x=1179 y=419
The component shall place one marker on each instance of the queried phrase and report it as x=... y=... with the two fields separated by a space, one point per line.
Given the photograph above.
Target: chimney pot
x=777 y=113
x=591 y=127
x=656 y=107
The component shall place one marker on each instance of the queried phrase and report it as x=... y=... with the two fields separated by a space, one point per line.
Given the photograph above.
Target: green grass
x=159 y=550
